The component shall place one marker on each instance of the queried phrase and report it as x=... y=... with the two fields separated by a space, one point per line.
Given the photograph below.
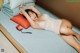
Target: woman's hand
x=21 y=7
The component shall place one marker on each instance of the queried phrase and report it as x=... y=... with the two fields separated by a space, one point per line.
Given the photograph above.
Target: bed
x=40 y=41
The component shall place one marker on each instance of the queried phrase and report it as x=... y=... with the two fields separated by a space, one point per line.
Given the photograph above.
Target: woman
x=59 y=26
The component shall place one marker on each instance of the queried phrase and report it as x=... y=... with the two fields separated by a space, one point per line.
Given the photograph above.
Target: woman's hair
x=29 y=10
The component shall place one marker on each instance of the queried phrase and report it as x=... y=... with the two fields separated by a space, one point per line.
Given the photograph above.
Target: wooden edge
x=12 y=40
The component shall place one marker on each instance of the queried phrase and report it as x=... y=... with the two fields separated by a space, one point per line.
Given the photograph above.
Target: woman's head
x=32 y=14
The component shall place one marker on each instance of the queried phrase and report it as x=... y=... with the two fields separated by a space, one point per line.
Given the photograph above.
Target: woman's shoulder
x=41 y=18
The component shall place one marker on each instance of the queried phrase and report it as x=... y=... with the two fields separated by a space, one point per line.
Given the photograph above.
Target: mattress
x=40 y=41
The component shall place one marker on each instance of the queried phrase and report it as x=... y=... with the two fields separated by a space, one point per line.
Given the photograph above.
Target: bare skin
x=65 y=29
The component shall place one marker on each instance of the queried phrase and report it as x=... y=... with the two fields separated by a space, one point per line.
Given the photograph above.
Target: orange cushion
x=19 y=19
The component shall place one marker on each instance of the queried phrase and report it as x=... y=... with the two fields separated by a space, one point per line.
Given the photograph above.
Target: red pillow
x=21 y=20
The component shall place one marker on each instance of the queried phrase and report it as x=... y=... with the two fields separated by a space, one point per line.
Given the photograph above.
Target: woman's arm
x=34 y=9
x=33 y=23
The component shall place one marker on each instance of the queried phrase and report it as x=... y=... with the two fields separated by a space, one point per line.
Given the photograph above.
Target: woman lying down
x=59 y=26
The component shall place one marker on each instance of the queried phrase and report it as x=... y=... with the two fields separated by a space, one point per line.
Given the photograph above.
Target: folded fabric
x=12 y=12
x=15 y=3
x=5 y=2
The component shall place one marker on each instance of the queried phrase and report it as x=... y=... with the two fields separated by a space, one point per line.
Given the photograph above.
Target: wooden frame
x=1 y=3
x=12 y=40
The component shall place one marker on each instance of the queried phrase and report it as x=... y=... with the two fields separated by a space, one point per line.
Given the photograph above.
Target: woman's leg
x=66 y=28
x=69 y=31
x=71 y=41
